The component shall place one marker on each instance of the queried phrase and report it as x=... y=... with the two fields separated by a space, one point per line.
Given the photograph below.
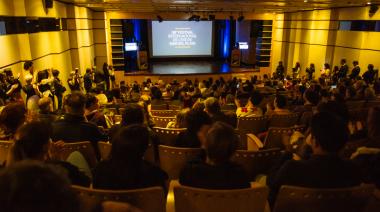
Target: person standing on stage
x=343 y=70
x=326 y=71
x=99 y=78
x=106 y=76
x=355 y=71
x=112 y=76
x=310 y=71
x=280 y=71
x=88 y=79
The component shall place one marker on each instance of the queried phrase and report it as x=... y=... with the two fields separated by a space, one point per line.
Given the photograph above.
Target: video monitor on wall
x=182 y=39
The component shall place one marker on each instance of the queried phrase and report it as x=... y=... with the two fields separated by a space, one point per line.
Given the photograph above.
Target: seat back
x=104 y=149
x=84 y=147
x=164 y=113
x=167 y=136
x=159 y=107
x=297 y=199
x=173 y=159
x=279 y=137
x=257 y=162
x=162 y=121
x=5 y=147
x=148 y=199
x=188 y=199
x=283 y=120
x=253 y=125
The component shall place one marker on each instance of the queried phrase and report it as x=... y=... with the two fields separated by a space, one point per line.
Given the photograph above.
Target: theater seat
x=164 y=113
x=284 y=120
x=162 y=121
x=84 y=147
x=5 y=147
x=167 y=136
x=173 y=159
x=104 y=149
x=188 y=199
x=299 y=199
x=147 y=199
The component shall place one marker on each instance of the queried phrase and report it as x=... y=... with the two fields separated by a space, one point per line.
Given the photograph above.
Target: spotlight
x=159 y=18
x=241 y=18
x=211 y=17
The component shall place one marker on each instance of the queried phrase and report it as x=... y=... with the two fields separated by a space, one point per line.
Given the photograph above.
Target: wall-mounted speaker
x=48 y=4
x=373 y=9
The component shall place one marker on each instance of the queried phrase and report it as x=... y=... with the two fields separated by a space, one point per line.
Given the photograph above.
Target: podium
x=142 y=60
x=235 y=57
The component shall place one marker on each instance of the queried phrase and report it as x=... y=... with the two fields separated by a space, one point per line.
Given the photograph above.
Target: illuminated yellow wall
x=63 y=50
x=313 y=37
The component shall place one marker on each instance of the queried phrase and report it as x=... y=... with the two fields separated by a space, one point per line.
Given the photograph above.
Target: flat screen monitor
x=243 y=45
x=130 y=47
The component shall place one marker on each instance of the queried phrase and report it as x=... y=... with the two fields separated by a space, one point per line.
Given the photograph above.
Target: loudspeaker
x=48 y=4
x=372 y=10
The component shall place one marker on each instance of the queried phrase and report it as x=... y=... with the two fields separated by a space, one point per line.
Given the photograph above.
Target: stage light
x=369 y=3
x=241 y=18
x=159 y=18
x=211 y=17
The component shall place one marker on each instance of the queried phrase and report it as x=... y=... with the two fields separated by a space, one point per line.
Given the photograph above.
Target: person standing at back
x=343 y=70
x=355 y=71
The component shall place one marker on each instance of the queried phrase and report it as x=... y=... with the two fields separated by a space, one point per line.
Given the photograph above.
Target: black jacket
x=73 y=128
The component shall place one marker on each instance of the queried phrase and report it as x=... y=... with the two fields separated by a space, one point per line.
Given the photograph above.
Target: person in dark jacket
x=74 y=127
x=217 y=171
x=325 y=169
x=355 y=71
x=126 y=167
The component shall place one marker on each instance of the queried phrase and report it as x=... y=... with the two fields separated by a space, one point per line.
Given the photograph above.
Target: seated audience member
x=241 y=103
x=198 y=123
x=311 y=99
x=32 y=142
x=126 y=168
x=212 y=108
x=73 y=127
x=157 y=102
x=325 y=169
x=280 y=103
x=230 y=103
x=102 y=98
x=92 y=113
x=217 y=172
x=34 y=186
x=11 y=117
x=251 y=108
x=180 y=119
x=198 y=106
x=46 y=114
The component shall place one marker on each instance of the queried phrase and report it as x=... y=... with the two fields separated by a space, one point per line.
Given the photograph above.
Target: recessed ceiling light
x=369 y=3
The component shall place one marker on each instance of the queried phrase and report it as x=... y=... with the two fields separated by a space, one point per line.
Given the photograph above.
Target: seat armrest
x=253 y=142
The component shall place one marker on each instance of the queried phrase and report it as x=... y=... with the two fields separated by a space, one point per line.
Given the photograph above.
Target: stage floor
x=193 y=67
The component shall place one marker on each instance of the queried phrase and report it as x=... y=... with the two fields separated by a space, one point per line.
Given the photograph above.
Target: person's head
x=242 y=99
x=327 y=66
x=92 y=103
x=28 y=65
x=355 y=63
x=280 y=63
x=198 y=122
x=133 y=114
x=334 y=107
x=156 y=93
x=55 y=73
x=212 y=105
x=312 y=65
x=311 y=97
x=88 y=70
x=221 y=143
x=329 y=133
x=31 y=141
x=343 y=61
x=280 y=102
x=45 y=104
x=34 y=186
x=199 y=105
x=130 y=144
x=181 y=118
x=370 y=67
x=298 y=64
x=75 y=103
x=12 y=116
x=256 y=98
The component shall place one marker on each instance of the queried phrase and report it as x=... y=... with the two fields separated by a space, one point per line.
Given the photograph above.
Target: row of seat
x=188 y=199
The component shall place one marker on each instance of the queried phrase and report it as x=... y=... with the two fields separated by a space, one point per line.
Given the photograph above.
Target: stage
x=189 y=69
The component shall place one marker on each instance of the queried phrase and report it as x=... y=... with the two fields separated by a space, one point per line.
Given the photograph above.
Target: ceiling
x=215 y=5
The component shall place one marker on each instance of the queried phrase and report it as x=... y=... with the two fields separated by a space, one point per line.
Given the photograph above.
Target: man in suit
x=355 y=71
x=325 y=169
x=343 y=70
